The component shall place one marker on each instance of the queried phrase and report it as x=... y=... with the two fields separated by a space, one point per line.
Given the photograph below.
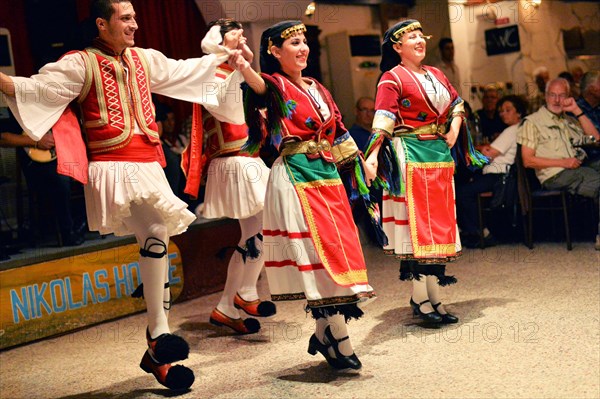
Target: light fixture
x=310 y=9
x=536 y=3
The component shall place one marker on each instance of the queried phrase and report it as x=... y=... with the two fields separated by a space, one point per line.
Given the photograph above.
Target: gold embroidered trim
x=387 y=81
x=138 y=103
x=434 y=250
x=341 y=300
x=346 y=278
x=288 y=297
x=95 y=77
x=428 y=261
x=383 y=122
x=293 y=31
x=427 y=129
x=286 y=34
x=305 y=147
x=123 y=138
x=405 y=29
x=345 y=151
x=319 y=183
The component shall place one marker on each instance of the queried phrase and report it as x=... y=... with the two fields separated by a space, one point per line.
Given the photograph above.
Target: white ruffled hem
x=114 y=186
x=235 y=187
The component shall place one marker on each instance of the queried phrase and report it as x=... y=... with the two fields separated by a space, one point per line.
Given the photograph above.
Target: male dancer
x=112 y=81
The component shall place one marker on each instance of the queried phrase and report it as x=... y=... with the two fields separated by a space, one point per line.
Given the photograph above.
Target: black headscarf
x=272 y=36
x=389 y=57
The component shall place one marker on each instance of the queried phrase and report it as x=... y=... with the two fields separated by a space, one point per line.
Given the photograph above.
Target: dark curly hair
x=519 y=102
x=226 y=24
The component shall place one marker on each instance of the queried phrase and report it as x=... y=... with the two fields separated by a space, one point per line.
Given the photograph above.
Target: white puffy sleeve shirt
x=41 y=99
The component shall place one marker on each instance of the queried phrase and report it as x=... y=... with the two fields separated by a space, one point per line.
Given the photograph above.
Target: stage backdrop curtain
x=12 y=17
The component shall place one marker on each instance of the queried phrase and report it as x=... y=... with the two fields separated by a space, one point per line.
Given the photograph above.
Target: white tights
x=148 y=226
x=427 y=287
x=337 y=325
x=242 y=277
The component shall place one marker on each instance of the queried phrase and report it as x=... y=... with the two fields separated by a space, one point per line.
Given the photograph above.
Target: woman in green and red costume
x=311 y=245
x=417 y=121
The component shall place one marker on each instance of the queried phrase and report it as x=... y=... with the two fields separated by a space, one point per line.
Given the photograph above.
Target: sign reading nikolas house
x=45 y=299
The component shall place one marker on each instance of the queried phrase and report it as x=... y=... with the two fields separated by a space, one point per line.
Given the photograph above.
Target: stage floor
x=529 y=328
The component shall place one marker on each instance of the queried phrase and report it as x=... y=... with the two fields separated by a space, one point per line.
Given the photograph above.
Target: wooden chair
x=533 y=197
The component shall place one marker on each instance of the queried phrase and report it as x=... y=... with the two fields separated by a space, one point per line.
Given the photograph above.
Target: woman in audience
x=501 y=152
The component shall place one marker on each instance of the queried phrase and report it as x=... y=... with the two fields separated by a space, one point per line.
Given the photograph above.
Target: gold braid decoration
x=286 y=34
x=293 y=31
x=405 y=29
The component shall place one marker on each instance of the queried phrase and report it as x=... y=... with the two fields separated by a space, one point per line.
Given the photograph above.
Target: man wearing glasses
x=547 y=139
x=361 y=130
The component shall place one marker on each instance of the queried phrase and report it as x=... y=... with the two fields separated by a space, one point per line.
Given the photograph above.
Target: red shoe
x=255 y=308
x=173 y=377
x=239 y=325
x=168 y=348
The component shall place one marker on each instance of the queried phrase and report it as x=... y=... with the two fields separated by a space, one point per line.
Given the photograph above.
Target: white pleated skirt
x=113 y=186
x=235 y=187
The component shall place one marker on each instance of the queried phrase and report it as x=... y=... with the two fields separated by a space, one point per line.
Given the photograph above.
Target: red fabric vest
x=413 y=105
x=222 y=138
x=306 y=121
x=113 y=98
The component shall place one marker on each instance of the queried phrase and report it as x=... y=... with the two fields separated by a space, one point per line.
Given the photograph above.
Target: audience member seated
x=574 y=92
x=502 y=155
x=489 y=121
x=547 y=139
x=577 y=73
x=589 y=102
x=447 y=64
x=364 y=112
x=43 y=180
x=537 y=98
x=360 y=132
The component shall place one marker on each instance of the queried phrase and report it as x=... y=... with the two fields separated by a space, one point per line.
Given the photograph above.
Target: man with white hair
x=547 y=137
x=589 y=102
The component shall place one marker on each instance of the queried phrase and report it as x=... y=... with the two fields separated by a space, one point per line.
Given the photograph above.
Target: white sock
x=235 y=273
x=321 y=325
x=339 y=330
x=167 y=291
x=252 y=270
x=238 y=273
x=433 y=291
x=419 y=294
x=147 y=225
x=250 y=228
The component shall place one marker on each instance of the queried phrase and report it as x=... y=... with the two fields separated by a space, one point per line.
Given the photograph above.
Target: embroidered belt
x=306 y=147
x=432 y=129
